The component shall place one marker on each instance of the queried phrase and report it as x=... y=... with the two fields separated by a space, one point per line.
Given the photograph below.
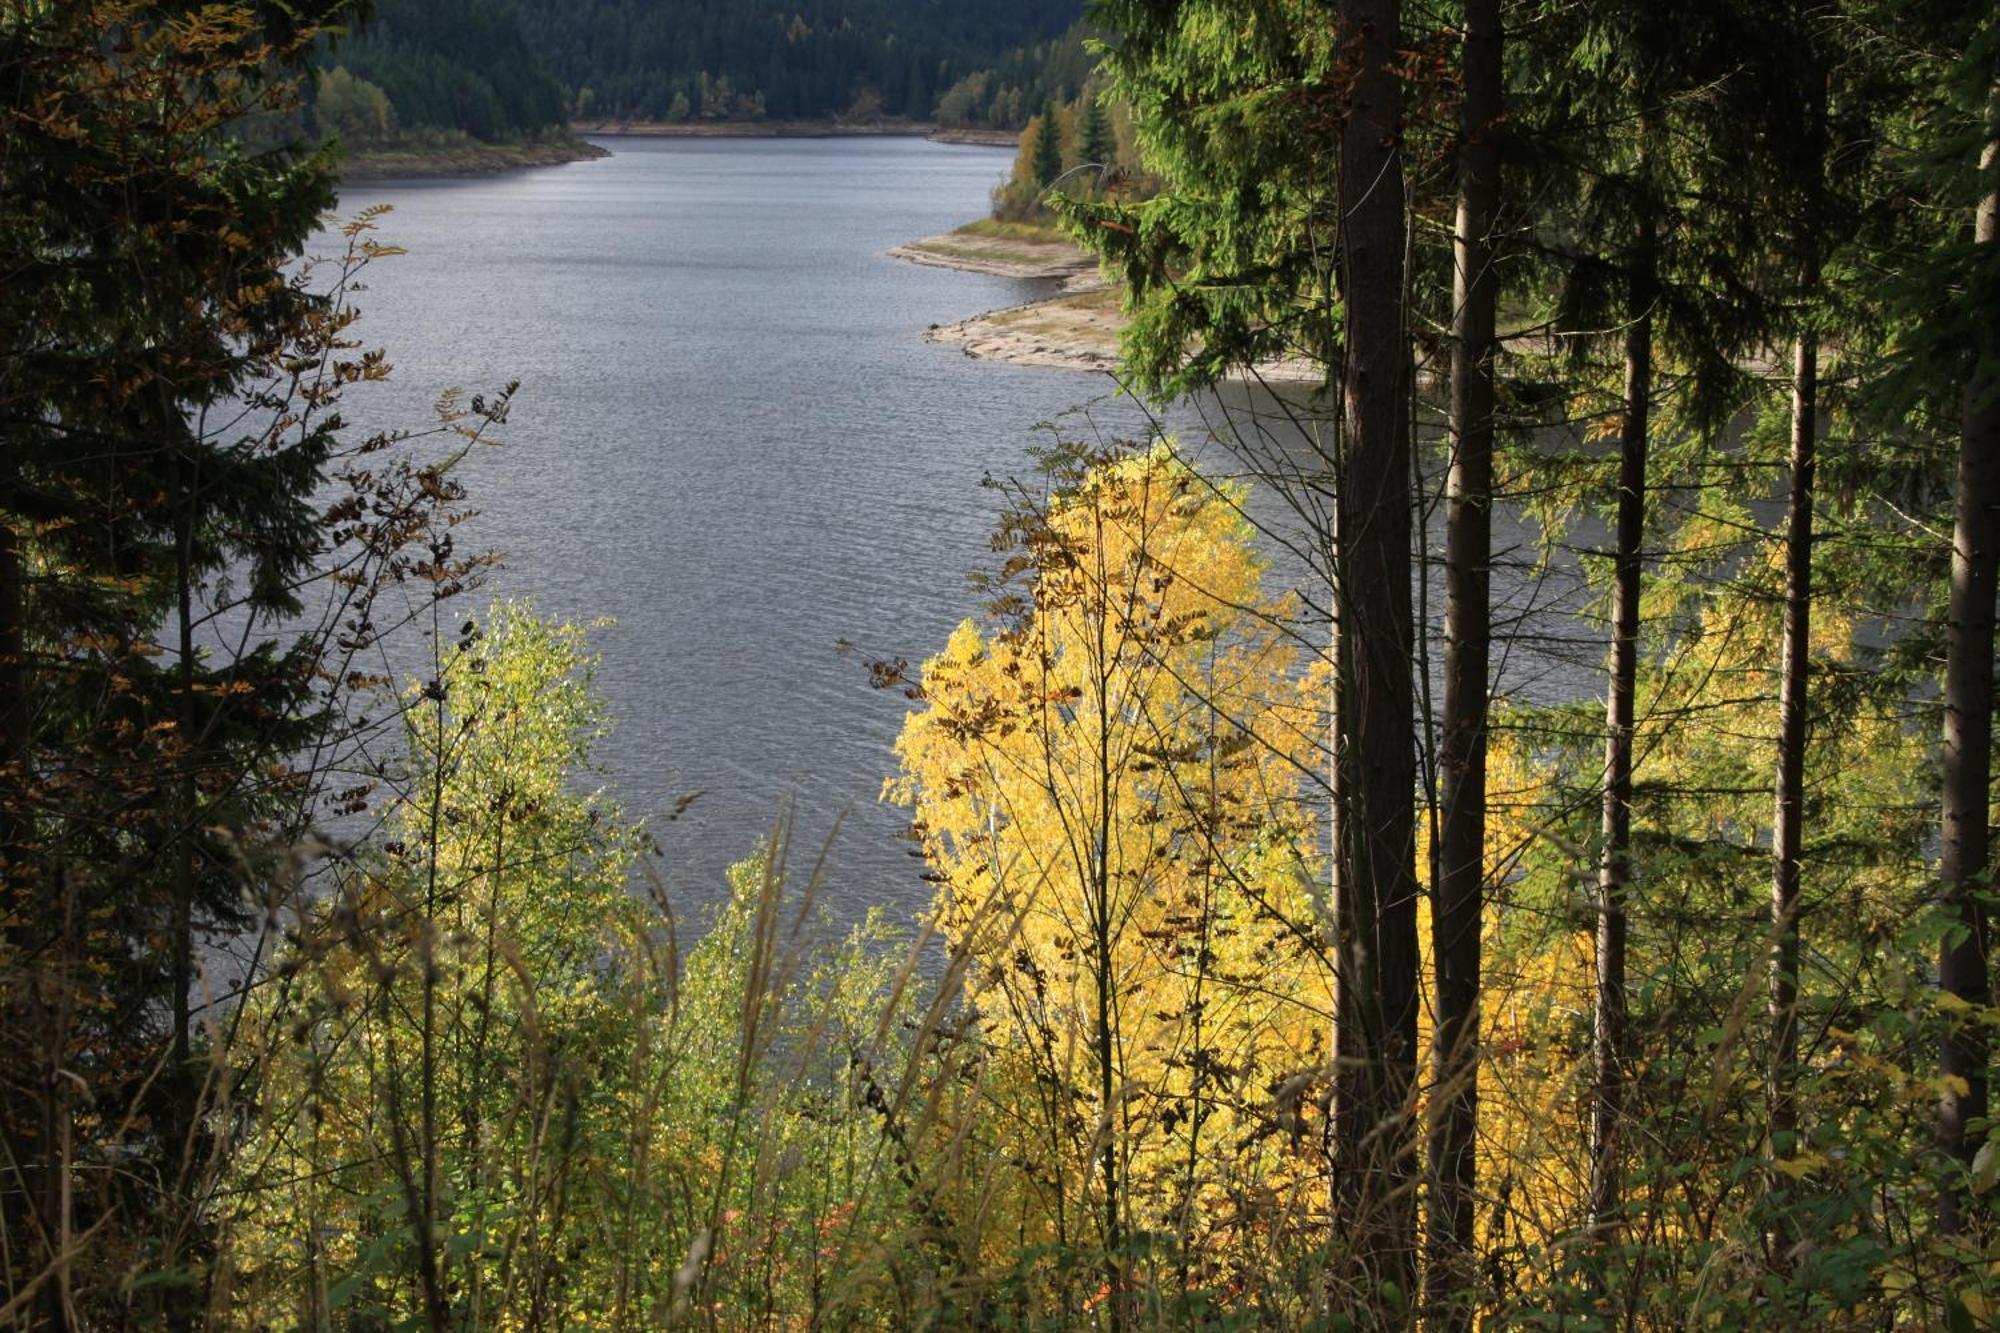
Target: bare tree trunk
x=187 y=1151
x=1378 y=907
x=1614 y=877
x=186 y=784
x=16 y=816
x=14 y=720
x=42 y=1168
x=1968 y=729
x=1788 y=825
x=1105 y=1036
x=1457 y=915
x=54 y=1001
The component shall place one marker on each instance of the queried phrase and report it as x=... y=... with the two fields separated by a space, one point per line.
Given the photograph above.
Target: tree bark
x=1614 y=877
x=1378 y=908
x=1968 y=727
x=1788 y=821
x=1457 y=917
x=186 y=784
x=182 y=1085
x=14 y=713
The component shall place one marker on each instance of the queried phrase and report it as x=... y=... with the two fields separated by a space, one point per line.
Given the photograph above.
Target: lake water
x=732 y=439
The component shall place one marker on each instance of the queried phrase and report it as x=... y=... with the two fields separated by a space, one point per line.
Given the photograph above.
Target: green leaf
x=1985 y=1168
x=341 y=1292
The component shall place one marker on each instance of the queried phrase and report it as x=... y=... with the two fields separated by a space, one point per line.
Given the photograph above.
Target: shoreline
x=1077 y=329
x=470 y=158
x=794 y=129
x=1000 y=255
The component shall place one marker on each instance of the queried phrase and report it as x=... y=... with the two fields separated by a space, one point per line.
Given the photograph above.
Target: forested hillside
x=455 y=65
x=1024 y=79
x=721 y=59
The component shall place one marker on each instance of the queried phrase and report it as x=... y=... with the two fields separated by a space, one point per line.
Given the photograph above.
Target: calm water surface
x=733 y=440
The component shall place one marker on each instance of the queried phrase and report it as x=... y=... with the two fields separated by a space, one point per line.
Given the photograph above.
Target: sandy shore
x=1000 y=256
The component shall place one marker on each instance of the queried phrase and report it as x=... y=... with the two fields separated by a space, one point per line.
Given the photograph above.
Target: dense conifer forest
x=498 y=70
x=717 y=59
x=462 y=65
x=1281 y=969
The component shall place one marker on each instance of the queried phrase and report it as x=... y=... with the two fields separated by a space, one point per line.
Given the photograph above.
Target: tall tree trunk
x=1614 y=876
x=1457 y=915
x=1794 y=683
x=183 y=1086
x=1103 y=928
x=1788 y=823
x=13 y=690
x=1968 y=723
x=1378 y=909
x=186 y=784
x=42 y=1170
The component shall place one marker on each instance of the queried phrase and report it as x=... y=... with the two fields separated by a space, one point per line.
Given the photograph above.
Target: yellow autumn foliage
x=1111 y=790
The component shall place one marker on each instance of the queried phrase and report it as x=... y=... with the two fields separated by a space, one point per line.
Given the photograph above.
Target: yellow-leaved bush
x=1112 y=782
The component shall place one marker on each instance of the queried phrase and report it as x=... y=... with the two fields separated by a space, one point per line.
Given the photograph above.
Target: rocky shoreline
x=1077 y=329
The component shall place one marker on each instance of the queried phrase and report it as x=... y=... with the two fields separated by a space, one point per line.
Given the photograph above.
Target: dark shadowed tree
x=1458 y=916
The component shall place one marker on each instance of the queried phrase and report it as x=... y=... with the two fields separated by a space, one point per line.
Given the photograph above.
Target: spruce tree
x=1045 y=163
x=1096 y=145
x=149 y=451
x=1458 y=910
x=1224 y=270
x=1966 y=864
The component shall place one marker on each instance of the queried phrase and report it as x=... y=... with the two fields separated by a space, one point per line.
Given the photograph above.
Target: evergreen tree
x=1458 y=910
x=808 y=60
x=459 y=65
x=1638 y=115
x=1229 y=108
x=1966 y=864
x=1045 y=162
x=1096 y=145
x=166 y=443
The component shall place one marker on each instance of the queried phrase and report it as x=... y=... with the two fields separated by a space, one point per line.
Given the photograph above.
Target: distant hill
x=786 y=59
